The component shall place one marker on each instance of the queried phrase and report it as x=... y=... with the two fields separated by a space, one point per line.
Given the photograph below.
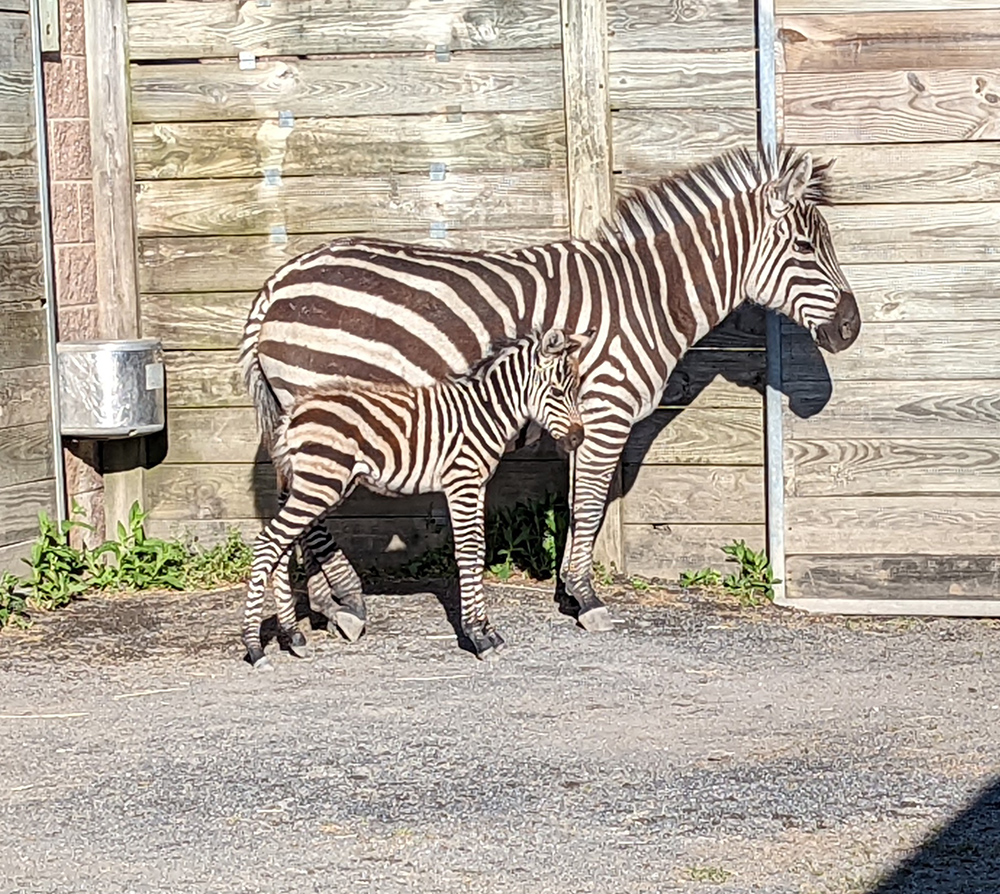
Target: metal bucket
x=111 y=389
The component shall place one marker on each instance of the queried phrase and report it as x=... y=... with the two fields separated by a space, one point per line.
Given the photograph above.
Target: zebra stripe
x=447 y=437
x=673 y=261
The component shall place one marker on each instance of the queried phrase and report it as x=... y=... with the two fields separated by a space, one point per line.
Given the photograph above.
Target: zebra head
x=795 y=270
x=554 y=386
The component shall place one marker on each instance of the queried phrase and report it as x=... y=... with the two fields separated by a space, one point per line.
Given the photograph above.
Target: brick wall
x=73 y=227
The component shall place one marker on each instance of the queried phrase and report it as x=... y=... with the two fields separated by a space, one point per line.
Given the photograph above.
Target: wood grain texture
x=915 y=292
x=200 y=264
x=915 y=233
x=13 y=5
x=19 y=508
x=350 y=204
x=205 y=379
x=25 y=454
x=860 y=41
x=655 y=143
x=893 y=409
x=889 y=106
x=375 y=144
x=243 y=490
x=196 y=320
x=214 y=435
x=351 y=85
x=20 y=213
x=736 y=377
x=201 y=29
x=24 y=395
x=22 y=338
x=691 y=25
x=13 y=554
x=891 y=466
x=661 y=494
x=654 y=79
x=17 y=150
x=807 y=7
x=933 y=525
x=957 y=350
x=914 y=172
x=731 y=437
x=907 y=577
x=665 y=551
x=15 y=38
x=21 y=273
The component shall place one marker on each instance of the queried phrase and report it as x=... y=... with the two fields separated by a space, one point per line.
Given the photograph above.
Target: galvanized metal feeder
x=111 y=389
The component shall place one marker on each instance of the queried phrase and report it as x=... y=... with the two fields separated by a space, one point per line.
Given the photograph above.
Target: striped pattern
x=446 y=437
x=673 y=261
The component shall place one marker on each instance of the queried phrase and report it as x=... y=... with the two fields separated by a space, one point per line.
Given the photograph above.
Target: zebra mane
x=499 y=346
x=735 y=171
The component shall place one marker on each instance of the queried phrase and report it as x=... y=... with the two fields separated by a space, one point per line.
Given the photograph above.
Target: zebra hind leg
x=335 y=579
x=285 y=599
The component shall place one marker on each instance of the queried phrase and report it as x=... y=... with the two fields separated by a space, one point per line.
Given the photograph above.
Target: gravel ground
x=698 y=747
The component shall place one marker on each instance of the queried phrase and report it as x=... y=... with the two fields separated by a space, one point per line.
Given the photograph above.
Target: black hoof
x=496 y=639
x=485 y=644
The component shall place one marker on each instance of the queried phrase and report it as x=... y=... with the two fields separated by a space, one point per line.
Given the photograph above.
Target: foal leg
x=466 y=504
x=287 y=620
x=335 y=576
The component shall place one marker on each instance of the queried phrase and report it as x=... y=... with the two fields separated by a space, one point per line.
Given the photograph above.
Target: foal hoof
x=485 y=644
x=350 y=625
x=596 y=620
x=263 y=664
x=298 y=645
x=496 y=639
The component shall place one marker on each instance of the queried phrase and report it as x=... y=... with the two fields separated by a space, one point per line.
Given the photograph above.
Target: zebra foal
x=447 y=437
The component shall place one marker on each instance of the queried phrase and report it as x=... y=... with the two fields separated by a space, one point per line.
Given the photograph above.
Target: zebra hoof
x=496 y=640
x=298 y=645
x=596 y=620
x=350 y=625
x=263 y=664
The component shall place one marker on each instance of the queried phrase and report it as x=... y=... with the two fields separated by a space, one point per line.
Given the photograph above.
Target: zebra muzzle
x=573 y=438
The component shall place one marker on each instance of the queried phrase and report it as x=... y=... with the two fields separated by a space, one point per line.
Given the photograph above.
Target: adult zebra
x=671 y=263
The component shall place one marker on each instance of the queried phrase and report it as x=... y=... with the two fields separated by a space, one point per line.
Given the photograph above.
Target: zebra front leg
x=288 y=622
x=466 y=505
x=334 y=578
x=593 y=468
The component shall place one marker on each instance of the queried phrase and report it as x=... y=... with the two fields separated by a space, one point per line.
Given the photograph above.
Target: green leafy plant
x=57 y=571
x=705 y=577
x=138 y=562
x=13 y=604
x=603 y=575
x=527 y=537
x=226 y=562
x=639 y=584
x=753 y=582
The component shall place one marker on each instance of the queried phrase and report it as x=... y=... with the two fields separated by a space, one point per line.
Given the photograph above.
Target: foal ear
x=792 y=186
x=553 y=343
x=578 y=342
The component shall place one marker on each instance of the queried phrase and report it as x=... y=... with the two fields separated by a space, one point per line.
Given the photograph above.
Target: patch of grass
x=603 y=575
x=639 y=584
x=227 y=562
x=752 y=583
x=715 y=875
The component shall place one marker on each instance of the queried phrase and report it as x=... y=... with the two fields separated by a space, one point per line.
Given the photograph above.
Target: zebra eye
x=804 y=245
x=558 y=392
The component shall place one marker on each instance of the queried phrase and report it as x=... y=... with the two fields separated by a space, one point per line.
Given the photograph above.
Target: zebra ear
x=553 y=343
x=791 y=187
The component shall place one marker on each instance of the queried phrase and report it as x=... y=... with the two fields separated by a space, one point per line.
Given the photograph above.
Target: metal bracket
x=442 y=53
x=48 y=17
x=286 y=118
x=248 y=60
x=438 y=170
x=439 y=229
x=453 y=114
x=279 y=234
x=272 y=176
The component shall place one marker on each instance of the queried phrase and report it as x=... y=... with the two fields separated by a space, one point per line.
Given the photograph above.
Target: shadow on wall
x=963 y=858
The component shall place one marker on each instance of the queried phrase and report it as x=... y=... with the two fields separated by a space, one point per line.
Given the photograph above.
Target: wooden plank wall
x=682 y=90
x=27 y=483
x=893 y=489
x=333 y=130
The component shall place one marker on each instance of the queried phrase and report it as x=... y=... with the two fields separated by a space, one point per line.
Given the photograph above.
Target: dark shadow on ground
x=963 y=858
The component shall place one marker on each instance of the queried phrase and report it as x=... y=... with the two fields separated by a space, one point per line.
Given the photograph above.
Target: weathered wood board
x=667 y=550
x=205 y=379
x=733 y=436
x=370 y=144
x=806 y=7
x=533 y=199
x=874 y=41
x=20 y=505
x=25 y=453
x=692 y=494
x=653 y=25
x=652 y=79
x=350 y=85
x=196 y=320
x=24 y=395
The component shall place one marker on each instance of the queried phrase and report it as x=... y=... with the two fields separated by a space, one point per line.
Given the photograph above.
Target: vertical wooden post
x=106 y=24
x=588 y=156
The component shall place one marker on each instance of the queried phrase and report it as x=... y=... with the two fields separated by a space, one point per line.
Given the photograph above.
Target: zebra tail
x=265 y=401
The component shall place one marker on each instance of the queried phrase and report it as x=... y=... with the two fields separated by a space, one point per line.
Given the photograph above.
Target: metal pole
x=768 y=130
x=51 y=321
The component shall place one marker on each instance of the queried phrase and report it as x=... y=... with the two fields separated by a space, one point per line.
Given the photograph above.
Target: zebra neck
x=500 y=394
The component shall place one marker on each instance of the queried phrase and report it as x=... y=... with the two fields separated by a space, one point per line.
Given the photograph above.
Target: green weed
x=527 y=537
x=13 y=604
x=225 y=563
x=752 y=583
x=705 y=577
x=138 y=562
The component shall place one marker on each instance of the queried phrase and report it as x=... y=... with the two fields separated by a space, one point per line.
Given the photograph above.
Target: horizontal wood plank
x=25 y=453
x=350 y=85
x=733 y=436
x=896 y=409
x=201 y=29
x=20 y=505
x=17 y=157
x=807 y=7
x=15 y=37
x=905 y=577
x=666 y=551
x=24 y=395
x=12 y=555
x=923 y=105
x=246 y=490
x=205 y=379
x=653 y=79
x=21 y=272
x=20 y=212
x=662 y=494
x=726 y=378
x=213 y=435
x=889 y=466
x=653 y=25
x=376 y=144
x=915 y=233
x=23 y=338
x=875 y=41
x=914 y=172
x=957 y=350
x=916 y=292
x=349 y=204
x=649 y=144
x=242 y=263
x=196 y=320
x=933 y=525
